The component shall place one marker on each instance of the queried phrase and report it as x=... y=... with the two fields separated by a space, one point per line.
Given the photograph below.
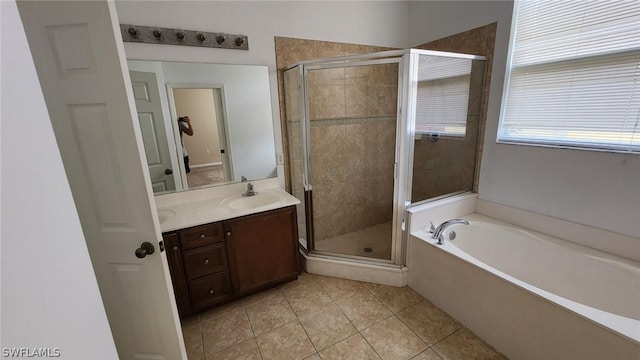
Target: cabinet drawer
x=205 y=260
x=210 y=290
x=201 y=236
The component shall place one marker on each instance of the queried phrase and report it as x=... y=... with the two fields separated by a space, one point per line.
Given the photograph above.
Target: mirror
x=204 y=124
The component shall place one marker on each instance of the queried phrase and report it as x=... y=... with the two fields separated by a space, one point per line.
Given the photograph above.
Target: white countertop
x=202 y=206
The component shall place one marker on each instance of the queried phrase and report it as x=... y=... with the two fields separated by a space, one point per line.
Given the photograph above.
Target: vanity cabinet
x=217 y=262
x=262 y=249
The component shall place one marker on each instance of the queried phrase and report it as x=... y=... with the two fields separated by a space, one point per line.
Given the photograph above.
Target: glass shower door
x=352 y=112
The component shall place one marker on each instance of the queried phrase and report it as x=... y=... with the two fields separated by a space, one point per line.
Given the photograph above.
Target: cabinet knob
x=202 y=236
x=211 y=291
x=206 y=261
x=228 y=233
x=174 y=248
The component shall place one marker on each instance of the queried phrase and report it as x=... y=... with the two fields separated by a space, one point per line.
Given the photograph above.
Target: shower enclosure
x=354 y=124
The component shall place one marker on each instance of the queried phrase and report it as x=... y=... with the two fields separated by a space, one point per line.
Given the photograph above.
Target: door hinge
x=161 y=245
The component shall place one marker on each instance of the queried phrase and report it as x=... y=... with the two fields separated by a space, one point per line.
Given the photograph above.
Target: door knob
x=145 y=249
x=168 y=171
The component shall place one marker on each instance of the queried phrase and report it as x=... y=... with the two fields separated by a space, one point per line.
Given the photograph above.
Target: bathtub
x=530 y=295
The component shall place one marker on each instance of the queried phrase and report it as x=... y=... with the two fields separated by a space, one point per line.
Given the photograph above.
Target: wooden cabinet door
x=174 y=257
x=262 y=249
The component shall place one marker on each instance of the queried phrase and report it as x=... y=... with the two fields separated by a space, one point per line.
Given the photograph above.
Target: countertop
x=202 y=206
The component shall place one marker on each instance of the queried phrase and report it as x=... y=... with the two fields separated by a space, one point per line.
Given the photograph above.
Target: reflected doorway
x=208 y=157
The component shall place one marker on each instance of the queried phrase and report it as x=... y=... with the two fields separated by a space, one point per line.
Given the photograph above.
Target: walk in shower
x=364 y=133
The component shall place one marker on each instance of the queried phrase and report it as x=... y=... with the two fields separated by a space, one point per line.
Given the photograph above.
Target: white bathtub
x=507 y=283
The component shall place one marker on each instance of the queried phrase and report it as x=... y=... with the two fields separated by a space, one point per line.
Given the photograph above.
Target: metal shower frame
x=407 y=61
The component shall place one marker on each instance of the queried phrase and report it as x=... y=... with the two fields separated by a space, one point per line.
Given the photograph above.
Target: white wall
x=382 y=23
x=50 y=296
x=587 y=187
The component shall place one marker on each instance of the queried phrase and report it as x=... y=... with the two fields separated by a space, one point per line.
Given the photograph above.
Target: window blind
x=574 y=78
x=443 y=95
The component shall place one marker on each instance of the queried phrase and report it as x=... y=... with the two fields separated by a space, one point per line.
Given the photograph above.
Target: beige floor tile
x=428 y=322
x=246 y=350
x=221 y=310
x=341 y=288
x=464 y=345
x=286 y=342
x=392 y=339
x=307 y=298
x=363 y=310
x=269 y=313
x=225 y=331
x=427 y=355
x=327 y=326
x=192 y=334
x=353 y=347
x=313 y=357
x=396 y=299
x=303 y=279
x=260 y=296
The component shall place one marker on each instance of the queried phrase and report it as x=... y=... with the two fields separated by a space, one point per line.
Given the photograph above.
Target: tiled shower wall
x=353 y=120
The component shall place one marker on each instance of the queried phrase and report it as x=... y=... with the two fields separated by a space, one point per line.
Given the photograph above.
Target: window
x=443 y=96
x=574 y=75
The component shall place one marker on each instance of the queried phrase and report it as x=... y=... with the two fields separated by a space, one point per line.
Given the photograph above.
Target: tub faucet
x=250 y=191
x=437 y=231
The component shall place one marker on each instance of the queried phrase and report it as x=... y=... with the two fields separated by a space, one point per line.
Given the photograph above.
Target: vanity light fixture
x=158 y=35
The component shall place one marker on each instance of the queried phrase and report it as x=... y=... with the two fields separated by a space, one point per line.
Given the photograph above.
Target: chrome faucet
x=437 y=231
x=250 y=191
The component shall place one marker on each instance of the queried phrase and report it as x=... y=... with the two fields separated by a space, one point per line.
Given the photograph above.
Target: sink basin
x=164 y=215
x=239 y=202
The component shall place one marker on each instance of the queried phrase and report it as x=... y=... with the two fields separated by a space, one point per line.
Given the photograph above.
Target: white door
x=154 y=135
x=79 y=56
x=225 y=154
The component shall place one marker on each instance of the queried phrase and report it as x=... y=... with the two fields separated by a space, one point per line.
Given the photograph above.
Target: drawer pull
x=175 y=248
x=202 y=236
x=211 y=291
x=228 y=233
x=206 y=261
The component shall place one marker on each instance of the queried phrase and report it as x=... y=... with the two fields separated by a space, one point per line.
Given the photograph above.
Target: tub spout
x=437 y=231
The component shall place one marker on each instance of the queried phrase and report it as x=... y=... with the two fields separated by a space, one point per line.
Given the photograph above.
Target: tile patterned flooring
x=377 y=238
x=319 y=317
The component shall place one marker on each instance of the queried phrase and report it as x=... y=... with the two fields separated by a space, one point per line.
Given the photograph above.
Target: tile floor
x=375 y=238
x=319 y=317
x=205 y=175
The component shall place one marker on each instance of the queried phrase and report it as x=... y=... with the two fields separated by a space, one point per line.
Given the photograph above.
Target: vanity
x=221 y=245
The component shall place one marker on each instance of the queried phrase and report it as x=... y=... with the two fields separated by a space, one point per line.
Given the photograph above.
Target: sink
x=164 y=215
x=239 y=202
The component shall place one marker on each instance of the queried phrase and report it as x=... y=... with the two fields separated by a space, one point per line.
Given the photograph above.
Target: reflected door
x=154 y=135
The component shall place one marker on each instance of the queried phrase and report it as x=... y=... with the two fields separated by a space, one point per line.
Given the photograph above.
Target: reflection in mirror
x=227 y=110
x=448 y=106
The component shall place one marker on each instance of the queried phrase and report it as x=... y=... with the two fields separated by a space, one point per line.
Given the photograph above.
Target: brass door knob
x=145 y=249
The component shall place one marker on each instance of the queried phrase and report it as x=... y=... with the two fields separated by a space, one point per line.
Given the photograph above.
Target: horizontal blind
x=443 y=95
x=575 y=75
